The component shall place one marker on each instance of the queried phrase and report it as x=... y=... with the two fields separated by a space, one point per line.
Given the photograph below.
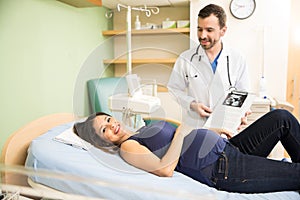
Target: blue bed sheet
x=102 y=175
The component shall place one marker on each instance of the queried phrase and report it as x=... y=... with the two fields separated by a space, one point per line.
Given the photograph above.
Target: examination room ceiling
x=112 y=4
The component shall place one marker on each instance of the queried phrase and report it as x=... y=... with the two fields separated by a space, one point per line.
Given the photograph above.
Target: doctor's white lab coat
x=194 y=80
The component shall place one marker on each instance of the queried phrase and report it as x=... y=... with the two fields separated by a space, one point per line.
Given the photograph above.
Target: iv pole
x=127 y=113
x=148 y=11
x=128 y=37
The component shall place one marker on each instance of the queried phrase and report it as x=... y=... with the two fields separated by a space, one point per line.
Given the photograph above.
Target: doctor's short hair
x=86 y=131
x=216 y=10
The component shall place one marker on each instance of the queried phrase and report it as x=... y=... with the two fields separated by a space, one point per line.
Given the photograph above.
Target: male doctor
x=201 y=76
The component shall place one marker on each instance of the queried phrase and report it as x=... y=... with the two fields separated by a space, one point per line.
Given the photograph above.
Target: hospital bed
x=97 y=174
x=80 y=169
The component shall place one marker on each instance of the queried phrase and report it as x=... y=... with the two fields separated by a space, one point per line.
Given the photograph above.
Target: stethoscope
x=231 y=88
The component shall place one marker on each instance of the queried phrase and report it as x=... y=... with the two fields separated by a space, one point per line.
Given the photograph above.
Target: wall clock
x=242 y=9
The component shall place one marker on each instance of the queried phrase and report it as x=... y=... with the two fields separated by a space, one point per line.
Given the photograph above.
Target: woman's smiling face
x=109 y=129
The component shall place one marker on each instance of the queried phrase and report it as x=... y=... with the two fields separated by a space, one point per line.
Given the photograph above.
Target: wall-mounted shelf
x=141 y=61
x=154 y=51
x=147 y=31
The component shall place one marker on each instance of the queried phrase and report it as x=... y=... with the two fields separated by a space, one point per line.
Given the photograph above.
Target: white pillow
x=70 y=138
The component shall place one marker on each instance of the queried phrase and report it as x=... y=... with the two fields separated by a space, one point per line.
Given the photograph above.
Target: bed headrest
x=100 y=89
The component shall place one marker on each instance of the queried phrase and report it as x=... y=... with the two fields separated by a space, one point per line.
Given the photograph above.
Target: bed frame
x=14 y=152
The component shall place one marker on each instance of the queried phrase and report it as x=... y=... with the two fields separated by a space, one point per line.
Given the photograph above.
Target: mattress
x=95 y=173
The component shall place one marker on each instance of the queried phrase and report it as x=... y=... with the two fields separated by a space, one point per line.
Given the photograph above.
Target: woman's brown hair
x=86 y=131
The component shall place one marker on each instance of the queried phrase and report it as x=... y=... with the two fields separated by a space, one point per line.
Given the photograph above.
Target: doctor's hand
x=201 y=109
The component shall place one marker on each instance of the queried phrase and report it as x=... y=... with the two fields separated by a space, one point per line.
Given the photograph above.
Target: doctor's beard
x=211 y=43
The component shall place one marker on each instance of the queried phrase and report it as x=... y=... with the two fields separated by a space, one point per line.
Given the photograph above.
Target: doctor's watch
x=242 y=9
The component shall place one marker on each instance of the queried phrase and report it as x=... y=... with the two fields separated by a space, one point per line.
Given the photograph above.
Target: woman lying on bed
x=238 y=164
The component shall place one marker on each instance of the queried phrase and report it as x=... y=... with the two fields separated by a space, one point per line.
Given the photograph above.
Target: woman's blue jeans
x=243 y=167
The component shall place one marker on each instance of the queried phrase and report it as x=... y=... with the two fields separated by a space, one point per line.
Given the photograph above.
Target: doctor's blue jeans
x=243 y=166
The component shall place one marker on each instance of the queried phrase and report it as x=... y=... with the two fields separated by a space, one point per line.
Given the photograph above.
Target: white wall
x=262 y=38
